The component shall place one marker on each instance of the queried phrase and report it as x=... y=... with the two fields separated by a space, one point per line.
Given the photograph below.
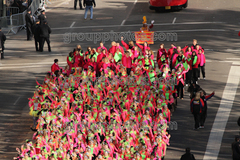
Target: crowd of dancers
x=110 y=104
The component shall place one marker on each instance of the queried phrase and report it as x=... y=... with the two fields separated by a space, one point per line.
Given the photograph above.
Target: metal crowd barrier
x=17 y=22
x=12 y=10
x=14 y=20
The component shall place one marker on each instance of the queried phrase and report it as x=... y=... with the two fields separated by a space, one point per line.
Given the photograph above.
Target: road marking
x=8 y=115
x=174 y=20
x=30 y=66
x=233 y=58
x=72 y=24
x=27 y=64
x=17 y=100
x=166 y=31
x=226 y=61
x=208 y=60
x=136 y=25
x=195 y=30
x=40 y=55
x=219 y=125
x=123 y=22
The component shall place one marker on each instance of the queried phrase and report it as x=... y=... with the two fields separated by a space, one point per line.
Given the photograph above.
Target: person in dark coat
x=2 y=41
x=236 y=149
x=29 y=24
x=80 y=4
x=188 y=155
x=45 y=31
x=36 y=32
x=42 y=17
x=196 y=108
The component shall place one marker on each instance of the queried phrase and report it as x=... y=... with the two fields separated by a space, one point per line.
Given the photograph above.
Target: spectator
x=80 y=4
x=188 y=155
x=36 y=33
x=42 y=17
x=88 y=4
x=29 y=24
x=45 y=35
x=2 y=41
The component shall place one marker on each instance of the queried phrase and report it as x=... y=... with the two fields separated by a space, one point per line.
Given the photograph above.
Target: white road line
x=195 y=30
x=174 y=20
x=17 y=100
x=40 y=55
x=8 y=115
x=226 y=61
x=219 y=125
x=27 y=64
x=136 y=25
x=166 y=31
x=72 y=24
x=208 y=60
x=123 y=22
x=39 y=66
x=233 y=58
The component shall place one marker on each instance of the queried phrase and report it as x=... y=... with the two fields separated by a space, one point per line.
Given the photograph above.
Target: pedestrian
x=2 y=41
x=42 y=17
x=36 y=33
x=197 y=105
x=45 y=31
x=29 y=24
x=236 y=149
x=188 y=155
x=80 y=4
x=88 y=4
x=204 y=111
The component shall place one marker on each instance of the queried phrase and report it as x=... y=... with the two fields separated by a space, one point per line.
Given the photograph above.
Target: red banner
x=142 y=37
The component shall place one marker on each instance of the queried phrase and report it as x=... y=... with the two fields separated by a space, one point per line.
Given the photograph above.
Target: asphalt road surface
x=215 y=24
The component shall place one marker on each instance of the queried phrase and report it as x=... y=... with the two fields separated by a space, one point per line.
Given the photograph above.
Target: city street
x=215 y=24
